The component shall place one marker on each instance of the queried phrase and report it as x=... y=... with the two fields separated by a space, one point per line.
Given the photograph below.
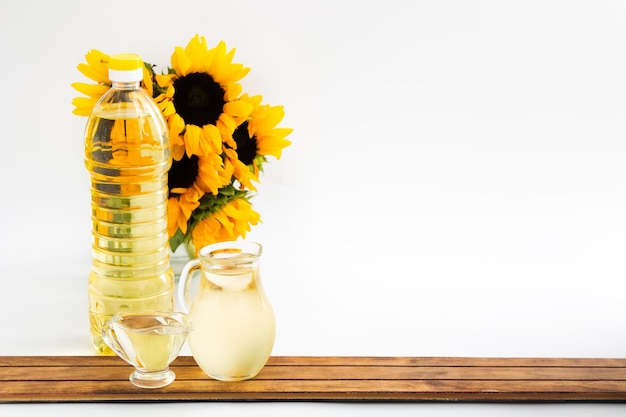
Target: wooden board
x=290 y=378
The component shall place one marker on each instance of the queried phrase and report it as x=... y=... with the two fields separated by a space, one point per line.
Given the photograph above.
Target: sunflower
x=231 y=221
x=189 y=179
x=199 y=98
x=255 y=139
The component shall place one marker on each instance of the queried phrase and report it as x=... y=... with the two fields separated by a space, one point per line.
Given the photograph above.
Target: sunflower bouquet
x=220 y=138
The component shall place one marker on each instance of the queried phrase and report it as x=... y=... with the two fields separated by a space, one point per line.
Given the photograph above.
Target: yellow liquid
x=128 y=160
x=234 y=330
x=149 y=342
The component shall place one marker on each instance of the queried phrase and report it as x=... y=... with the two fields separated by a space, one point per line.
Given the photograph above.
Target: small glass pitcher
x=234 y=325
x=148 y=340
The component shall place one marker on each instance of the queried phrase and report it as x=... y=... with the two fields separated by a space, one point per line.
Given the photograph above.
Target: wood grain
x=308 y=378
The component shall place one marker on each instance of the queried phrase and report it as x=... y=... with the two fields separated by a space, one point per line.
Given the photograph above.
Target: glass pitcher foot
x=157 y=379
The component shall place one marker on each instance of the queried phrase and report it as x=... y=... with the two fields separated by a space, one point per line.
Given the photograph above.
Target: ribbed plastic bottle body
x=127 y=154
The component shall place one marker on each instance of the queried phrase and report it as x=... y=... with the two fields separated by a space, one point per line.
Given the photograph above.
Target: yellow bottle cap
x=125 y=67
x=125 y=62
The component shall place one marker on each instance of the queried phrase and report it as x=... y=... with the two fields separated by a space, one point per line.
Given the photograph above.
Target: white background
x=455 y=187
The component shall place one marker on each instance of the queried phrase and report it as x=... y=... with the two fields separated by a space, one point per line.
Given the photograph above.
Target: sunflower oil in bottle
x=127 y=155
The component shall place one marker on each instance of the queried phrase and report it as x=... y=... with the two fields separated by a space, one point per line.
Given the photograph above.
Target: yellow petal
x=83 y=105
x=221 y=217
x=173 y=212
x=273 y=145
x=204 y=147
x=93 y=74
x=98 y=63
x=97 y=58
x=182 y=224
x=168 y=109
x=92 y=90
x=232 y=91
x=164 y=80
x=177 y=151
x=226 y=124
x=254 y=100
x=228 y=140
x=192 y=140
x=147 y=81
x=180 y=62
x=199 y=54
x=222 y=69
x=238 y=109
x=272 y=116
x=235 y=73
x=213 y=136
x=189 y=201
x=176 y=124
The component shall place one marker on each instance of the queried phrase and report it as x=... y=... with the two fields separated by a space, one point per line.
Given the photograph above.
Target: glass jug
x=234 y=325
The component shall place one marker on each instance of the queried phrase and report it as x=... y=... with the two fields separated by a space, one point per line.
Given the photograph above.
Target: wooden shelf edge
x=315 y=378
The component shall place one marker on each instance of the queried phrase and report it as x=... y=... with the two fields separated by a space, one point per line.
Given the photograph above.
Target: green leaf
x=176 y=240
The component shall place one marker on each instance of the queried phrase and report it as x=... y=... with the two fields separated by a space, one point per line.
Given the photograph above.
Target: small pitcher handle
x=182 y=294
x=108 y=335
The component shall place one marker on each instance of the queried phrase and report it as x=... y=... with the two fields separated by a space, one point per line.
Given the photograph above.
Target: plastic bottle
x=128 y=156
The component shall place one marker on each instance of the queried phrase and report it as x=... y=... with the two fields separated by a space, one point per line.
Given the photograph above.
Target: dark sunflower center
x=246 y=145
x=198 y=99
x=183 y=173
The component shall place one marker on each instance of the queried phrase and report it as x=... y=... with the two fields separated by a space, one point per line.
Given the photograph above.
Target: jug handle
x=111 y=340
x=182 y=294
